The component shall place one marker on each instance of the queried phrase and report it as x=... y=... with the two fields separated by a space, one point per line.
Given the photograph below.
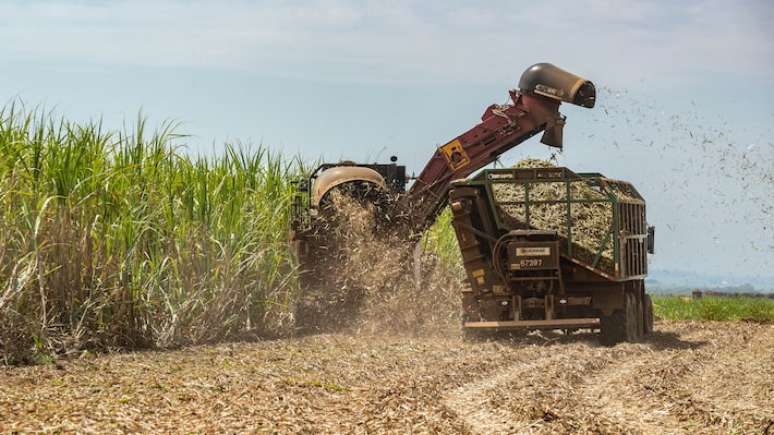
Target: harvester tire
x=648 y=315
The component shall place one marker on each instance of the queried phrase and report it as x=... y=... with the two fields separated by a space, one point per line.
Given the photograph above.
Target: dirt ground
x=690 y=377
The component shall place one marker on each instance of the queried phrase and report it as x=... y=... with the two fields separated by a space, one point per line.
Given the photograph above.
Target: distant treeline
x=741 y=290
x=713 y=293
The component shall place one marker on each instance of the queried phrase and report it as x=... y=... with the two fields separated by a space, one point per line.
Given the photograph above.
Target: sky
x=684 y=111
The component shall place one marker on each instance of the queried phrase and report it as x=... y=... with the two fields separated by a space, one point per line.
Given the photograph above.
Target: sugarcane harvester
x=533 y=108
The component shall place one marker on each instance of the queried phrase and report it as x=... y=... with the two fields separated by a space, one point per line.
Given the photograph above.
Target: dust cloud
x=379 y=281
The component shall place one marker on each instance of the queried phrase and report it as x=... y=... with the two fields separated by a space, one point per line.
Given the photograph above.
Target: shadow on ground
x=658 y=340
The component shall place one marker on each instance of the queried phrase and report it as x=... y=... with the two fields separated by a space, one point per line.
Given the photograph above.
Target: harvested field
x=691 y=377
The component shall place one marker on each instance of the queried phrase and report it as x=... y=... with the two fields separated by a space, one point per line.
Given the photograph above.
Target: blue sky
x=685 y=109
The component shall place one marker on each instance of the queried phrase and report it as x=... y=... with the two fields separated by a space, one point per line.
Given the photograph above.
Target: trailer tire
x=648 y=307
x=613 y=328
x=623 y=324
x=634 y=318
x=639 y=310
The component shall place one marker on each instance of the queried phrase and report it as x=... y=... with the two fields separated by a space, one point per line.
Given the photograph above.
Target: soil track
x=690 y=377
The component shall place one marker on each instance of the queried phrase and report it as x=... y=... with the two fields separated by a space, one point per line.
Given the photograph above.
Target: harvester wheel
x=648 y=307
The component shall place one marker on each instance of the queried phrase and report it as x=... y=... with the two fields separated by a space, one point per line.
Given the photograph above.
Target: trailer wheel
x=613 y=328
x=648 y=306
x=624 y=324
x=639 y=310
x=634 y=320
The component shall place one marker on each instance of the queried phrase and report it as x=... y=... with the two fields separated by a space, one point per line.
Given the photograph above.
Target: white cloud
x=399 y=41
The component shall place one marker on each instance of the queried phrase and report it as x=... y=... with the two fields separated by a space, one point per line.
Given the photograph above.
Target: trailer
x=546 y=248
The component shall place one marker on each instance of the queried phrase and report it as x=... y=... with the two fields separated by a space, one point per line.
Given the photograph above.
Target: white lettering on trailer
x=533 y=252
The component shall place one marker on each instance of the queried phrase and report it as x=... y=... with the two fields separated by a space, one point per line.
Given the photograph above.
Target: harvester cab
x=311 y=192
x=377 y=183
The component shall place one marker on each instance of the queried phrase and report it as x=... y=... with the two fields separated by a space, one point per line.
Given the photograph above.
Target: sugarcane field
x=387 y=217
